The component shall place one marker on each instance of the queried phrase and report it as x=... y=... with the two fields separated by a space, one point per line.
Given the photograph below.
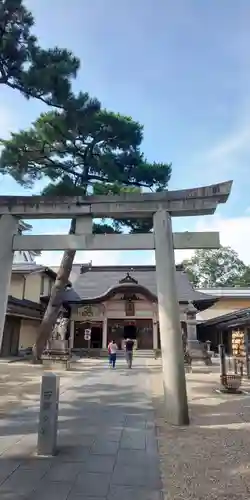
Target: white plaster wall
x=16 y=286
x=28 y=333
x=223 y=306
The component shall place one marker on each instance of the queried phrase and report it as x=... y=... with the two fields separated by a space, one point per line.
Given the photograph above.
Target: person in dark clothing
x=129 y=346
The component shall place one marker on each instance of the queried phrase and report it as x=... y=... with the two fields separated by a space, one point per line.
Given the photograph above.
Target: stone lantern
x=193 y=345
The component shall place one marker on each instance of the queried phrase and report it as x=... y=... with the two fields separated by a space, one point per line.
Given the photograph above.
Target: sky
x=179 y=67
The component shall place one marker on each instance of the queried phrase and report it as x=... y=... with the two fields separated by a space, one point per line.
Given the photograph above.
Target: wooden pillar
x=104 y=332
x=155 y=334
x=72 y=334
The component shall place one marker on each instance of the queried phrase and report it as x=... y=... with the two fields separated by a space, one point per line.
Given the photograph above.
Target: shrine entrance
x=96 y=335
x=130 y=330
x=140 y=330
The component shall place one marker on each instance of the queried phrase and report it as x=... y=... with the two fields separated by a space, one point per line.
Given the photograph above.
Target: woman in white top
x=112 y=349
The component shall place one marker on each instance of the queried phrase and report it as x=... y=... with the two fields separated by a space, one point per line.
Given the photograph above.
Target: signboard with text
x=87 y=334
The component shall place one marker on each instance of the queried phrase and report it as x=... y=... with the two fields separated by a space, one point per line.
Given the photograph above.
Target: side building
x=29 y=281
x=228 y=315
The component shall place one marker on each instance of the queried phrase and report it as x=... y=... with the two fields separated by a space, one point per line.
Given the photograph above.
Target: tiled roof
x=233 y=292
x=234 y=318
x=25 y=303
x=24 y=308
x=96 y=283
x=32 y=267
x=28 y=267
x=76 y=269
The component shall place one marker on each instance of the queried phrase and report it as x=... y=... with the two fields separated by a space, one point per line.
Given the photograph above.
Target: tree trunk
x=55 y=301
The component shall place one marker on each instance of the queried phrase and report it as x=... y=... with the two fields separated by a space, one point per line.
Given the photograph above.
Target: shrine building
x=116 y=302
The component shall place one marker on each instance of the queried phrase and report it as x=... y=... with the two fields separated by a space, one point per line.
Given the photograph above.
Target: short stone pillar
x=48 y=416
x=222 y=354
x=208 y=344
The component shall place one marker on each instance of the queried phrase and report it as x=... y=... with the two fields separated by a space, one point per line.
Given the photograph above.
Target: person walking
x=112 y=349
x=129 y=346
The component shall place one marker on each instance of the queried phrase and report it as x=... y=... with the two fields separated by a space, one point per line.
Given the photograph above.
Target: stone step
x=144 y=353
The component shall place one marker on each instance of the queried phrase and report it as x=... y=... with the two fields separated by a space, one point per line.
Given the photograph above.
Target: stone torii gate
x=161 y=207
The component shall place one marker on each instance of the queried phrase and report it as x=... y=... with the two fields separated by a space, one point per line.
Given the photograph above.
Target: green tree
x=25 y=66
x=81 y=151
x=215 y=268
x=244 y=280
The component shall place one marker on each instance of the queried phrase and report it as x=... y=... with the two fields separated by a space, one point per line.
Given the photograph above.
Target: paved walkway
x=107 y=447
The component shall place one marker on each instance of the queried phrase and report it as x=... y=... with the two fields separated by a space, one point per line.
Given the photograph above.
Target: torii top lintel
x=186 y=202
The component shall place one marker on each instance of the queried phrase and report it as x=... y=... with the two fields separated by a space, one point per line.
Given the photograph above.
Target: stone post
x=8 y=228
x=48 y=416
x=247 y=352
x=223 y=368
x=170 y=326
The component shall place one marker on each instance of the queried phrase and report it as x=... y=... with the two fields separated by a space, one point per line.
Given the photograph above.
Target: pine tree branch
x=29 y=93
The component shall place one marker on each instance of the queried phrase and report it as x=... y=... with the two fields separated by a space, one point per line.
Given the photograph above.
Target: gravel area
x=210 y=459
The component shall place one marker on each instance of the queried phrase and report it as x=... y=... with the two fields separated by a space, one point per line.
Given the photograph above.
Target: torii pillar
x=8 y=228
x=174 y=381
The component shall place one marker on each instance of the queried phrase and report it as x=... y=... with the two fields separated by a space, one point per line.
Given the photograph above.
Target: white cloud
x=98 y=258
x=234 y=232
x=235 y=143
x=229 y=154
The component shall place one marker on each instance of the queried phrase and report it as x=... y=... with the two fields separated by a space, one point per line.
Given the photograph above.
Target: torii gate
x=161 y=207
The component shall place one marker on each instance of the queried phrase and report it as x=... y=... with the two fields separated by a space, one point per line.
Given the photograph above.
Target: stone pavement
x=107 y=447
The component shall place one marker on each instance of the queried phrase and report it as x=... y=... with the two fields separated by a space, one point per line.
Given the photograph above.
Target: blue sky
x=182 y=69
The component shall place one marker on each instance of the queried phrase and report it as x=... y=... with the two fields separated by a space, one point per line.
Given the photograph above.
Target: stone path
x=107 y=447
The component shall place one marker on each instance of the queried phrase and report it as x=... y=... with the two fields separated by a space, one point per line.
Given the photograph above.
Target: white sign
x=87 y=334
x=87 y=311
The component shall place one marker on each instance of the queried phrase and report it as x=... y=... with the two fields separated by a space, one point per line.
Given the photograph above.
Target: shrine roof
x=99 y=283
x=24 y=308
x=227 y=321
x=32 y=267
